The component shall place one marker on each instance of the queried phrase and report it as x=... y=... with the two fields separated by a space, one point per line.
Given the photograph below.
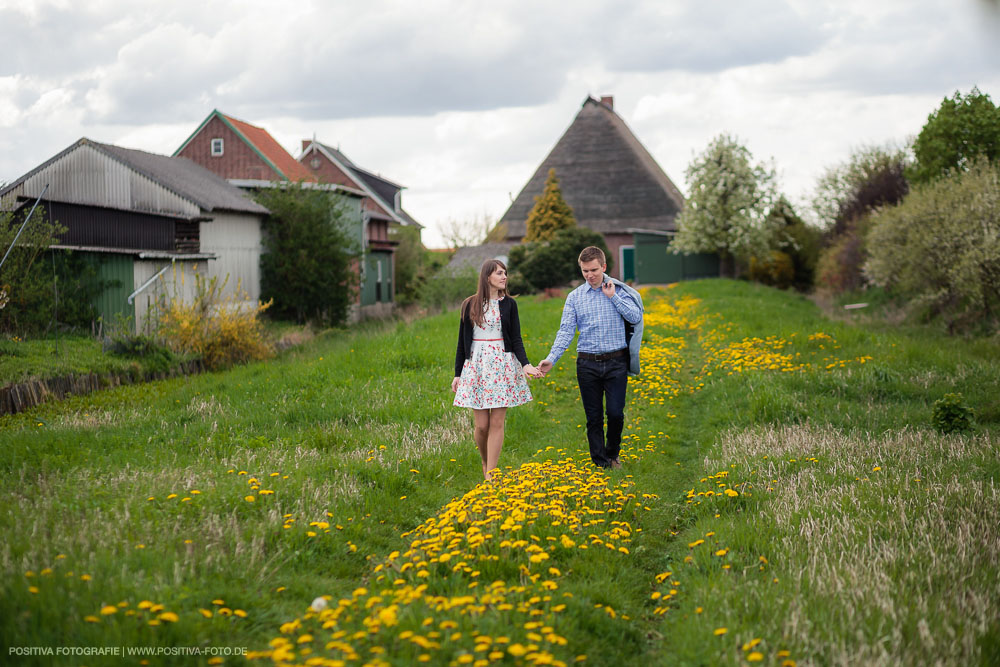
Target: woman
x=490 y=363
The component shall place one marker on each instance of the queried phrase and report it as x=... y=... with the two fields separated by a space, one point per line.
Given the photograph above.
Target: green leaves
x=960 y=130
x=310 y=246
x=550 y=214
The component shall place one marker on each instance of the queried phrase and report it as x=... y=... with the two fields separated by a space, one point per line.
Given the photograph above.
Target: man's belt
x=603 y=356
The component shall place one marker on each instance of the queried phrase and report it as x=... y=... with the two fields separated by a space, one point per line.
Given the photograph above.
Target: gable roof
x=382 y=190
x=285 y=167
x=179 y=176
x=470 y=258
x=605 y=174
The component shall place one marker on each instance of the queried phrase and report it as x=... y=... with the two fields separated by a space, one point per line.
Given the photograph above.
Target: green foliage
x=308 y=267
x=797 y=240
x=550 y=213
x=445 y=290
x=219 y=330
x=872 y=177
x=777 y=271
x=961 y=130
x=941 y=247
x=122 y=341
x=727 y=210
x=411 y=266
x=840 y=265
x=951 y=414
x=45 y=289
x=553 y=263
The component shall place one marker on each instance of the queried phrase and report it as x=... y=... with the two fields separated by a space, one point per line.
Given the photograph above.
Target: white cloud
x=460 y=101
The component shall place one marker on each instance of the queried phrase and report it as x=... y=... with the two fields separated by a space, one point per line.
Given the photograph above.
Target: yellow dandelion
x=720 y=631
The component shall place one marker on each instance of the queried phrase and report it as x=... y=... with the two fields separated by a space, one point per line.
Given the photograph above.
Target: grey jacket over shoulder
x=633 y=332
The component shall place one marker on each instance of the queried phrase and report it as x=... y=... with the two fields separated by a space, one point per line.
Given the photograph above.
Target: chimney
x=608 y=100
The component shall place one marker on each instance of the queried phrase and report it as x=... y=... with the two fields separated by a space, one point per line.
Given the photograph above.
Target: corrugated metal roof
x=96 y=174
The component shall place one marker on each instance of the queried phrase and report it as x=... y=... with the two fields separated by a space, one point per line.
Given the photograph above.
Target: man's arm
x=627 y=306
x=567 y=329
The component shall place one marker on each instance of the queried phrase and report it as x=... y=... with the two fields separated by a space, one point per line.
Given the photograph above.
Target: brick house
x=250 y=158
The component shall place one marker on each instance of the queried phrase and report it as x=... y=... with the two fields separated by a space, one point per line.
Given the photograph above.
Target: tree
x=961 y=129
x=871 y=177
x=471 y=231
x=940 y=248
x=552 y=263
x=309 y=259
x=42 y=288
x=550 y=212
x=727 y=212
x=793 y=263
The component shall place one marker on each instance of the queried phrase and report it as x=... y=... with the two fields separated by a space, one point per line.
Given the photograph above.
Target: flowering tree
x=727 y=211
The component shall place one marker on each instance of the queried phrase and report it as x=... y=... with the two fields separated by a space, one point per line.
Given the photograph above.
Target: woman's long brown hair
x=472 y=307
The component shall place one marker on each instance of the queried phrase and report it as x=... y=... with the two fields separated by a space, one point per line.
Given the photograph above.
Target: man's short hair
x=590 y=253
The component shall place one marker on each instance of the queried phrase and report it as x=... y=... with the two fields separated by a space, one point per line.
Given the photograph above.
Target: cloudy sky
x=459 y=100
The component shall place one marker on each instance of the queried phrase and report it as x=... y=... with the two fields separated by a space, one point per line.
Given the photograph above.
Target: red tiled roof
x=290 y=168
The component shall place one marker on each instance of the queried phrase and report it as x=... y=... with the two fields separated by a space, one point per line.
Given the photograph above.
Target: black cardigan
x=510 y=325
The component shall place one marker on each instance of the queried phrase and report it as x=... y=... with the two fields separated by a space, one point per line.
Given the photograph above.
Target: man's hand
x=544 y=367
x=608 y=288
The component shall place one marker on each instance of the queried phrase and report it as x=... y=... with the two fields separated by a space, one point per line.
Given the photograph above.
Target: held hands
x=544 y=367
x=608 y=288
x=532 y=372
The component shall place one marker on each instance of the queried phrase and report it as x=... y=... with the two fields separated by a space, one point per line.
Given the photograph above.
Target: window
x=397 y=201
x=217 y=146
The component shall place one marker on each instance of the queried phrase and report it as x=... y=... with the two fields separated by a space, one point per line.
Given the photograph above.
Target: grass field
x=784 y=500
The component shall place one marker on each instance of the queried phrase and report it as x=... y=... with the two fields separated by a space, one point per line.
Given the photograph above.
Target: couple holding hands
x=491 y=367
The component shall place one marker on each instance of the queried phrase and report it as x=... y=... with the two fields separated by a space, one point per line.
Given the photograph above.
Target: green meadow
x=784 y=500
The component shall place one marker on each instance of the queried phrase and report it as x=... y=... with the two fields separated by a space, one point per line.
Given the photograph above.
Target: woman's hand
x=531 y=371
x=454 y=385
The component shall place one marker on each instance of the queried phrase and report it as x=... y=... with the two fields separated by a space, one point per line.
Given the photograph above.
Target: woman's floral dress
x=491 y=378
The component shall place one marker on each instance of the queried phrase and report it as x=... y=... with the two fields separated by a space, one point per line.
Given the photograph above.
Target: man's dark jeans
x=600 y=380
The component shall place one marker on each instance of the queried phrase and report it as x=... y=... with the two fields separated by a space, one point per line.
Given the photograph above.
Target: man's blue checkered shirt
x=598 y=318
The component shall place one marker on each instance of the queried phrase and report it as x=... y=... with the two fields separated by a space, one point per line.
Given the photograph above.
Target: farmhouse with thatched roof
x=610 y=180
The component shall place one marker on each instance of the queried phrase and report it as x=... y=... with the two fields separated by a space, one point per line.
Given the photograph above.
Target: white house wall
x=178 y=281
x=236 y=239
x=88 y=176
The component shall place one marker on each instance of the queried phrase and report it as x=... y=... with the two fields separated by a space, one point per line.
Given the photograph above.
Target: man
x=599 y=309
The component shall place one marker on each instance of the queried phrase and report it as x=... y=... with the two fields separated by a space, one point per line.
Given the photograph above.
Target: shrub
x=445 y=289
x=951 y=414
x=778 y=270
x=940 y=248
x=554 y=263
x=221 y=331
x=43 y=288
x=840 y=266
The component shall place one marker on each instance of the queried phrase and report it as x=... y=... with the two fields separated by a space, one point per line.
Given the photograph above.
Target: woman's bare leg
x=494 y=440
x=481 y=433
